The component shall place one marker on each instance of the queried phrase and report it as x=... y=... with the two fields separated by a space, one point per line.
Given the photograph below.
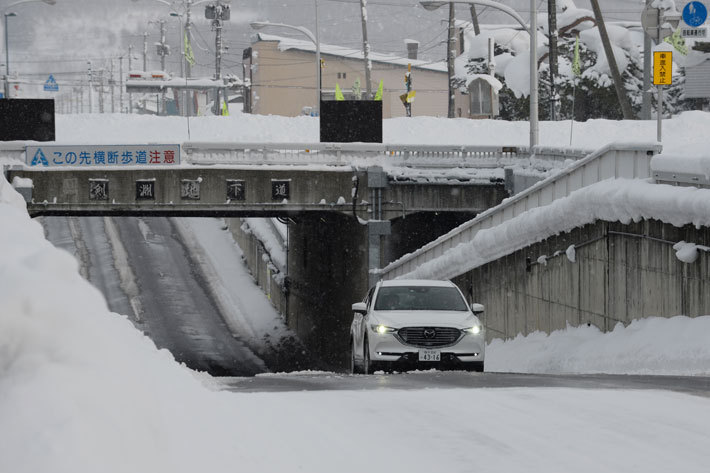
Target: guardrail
x=628 y=160
x=346 y=153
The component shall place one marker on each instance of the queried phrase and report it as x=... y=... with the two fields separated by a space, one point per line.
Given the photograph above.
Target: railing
x=351 y=153
x=630 y=160
x=11 y=151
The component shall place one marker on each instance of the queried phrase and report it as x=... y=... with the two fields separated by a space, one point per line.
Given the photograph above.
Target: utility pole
x=111 y=84
x=120 y=84
x=450 y=60
x=130 y=68
x=552 y=27
x=474 y=20
x=101 y=90
x=618 y=84
x=91 y=101
x=408 y=82
x=188 y=65
x=145 y=51
x=366 y=50
x=217 y=62
x=163 y=51
x=217 y=13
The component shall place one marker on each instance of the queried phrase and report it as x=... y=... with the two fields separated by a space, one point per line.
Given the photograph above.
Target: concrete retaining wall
x=254 y=253
x=621 y=273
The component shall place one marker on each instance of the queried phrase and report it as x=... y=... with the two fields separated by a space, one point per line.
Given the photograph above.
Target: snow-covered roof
x=302 y=45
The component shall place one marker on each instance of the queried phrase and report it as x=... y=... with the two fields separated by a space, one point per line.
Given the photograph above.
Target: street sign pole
x=659 y=114
x=662 y=75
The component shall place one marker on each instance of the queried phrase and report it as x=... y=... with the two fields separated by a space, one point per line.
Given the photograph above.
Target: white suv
x=406 y=324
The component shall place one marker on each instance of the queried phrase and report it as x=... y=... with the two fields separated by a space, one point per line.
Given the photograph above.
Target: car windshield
x=419 y=298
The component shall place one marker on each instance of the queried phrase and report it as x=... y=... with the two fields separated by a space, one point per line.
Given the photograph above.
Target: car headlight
x=475 y=330
x=382 y=329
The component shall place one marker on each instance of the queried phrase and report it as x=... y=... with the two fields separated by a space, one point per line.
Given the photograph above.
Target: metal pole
x=319 y=69
x=533 y=76
x=646 y=105
x=162 y=63
x=218 y=57
x=145 y=51
x=450 y=61
x=659 y=113
x=188 y=66
x=183 y=93
x=366 y=49
x=130 y=68
x=7 y=61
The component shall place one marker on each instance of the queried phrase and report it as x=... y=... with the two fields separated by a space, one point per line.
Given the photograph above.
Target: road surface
x=145 y=271
x=325 y=381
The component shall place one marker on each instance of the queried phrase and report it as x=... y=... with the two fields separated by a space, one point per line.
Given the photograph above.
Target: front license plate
x=429 y=355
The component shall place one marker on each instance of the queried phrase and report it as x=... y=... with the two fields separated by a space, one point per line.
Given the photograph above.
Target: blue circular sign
x=695 y=14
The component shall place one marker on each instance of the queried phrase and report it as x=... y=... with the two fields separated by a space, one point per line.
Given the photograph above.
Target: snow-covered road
x=171 y=303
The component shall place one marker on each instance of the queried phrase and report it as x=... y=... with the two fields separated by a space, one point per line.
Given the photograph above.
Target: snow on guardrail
x=616 y=160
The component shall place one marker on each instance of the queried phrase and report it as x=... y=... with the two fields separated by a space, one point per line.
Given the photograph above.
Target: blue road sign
x=695 y=14
x=51 y=84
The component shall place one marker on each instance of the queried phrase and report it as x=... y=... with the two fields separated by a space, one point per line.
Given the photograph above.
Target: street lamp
x=532 y=31
x=257 y=25
x=8 y=14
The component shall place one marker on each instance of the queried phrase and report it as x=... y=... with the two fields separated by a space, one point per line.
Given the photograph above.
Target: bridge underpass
x=345 y=220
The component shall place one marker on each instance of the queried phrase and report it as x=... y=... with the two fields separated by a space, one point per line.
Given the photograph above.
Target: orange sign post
x=662 y=75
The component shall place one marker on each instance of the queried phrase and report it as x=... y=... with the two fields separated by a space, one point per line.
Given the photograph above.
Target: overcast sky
x=60 y=39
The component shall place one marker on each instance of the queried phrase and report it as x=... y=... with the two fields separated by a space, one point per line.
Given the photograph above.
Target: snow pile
x=688 y=252
x=621 y=44
x=623 y=200
x=659 y=346
x=269 y=235
x=683 y=135
x=80 y=385
x=244 y=305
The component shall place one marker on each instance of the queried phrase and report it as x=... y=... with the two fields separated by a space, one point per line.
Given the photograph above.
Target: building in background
x=281 y=75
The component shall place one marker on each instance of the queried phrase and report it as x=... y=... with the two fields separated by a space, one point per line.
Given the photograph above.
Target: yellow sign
x=662 y=68
x=408 y=97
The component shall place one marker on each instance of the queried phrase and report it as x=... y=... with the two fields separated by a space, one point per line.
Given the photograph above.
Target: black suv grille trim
x=429 y=337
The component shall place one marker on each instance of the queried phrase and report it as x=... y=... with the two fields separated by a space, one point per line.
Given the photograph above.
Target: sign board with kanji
x=280 y=189
x=145 y=189
x=98 y=156
x=662 y=68
x=236 y=189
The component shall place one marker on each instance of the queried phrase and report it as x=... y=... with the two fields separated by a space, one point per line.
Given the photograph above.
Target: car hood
x=420 y=318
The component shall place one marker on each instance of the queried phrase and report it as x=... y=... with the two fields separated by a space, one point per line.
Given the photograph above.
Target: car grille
x=429 y=336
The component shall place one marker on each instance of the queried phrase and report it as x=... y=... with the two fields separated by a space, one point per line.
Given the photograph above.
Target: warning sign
x=662 y=68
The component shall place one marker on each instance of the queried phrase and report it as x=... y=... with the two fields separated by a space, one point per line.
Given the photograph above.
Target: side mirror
x=477 y=308
x=360 y=308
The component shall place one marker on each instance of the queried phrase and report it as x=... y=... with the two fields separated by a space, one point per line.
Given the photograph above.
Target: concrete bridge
x=351 y=208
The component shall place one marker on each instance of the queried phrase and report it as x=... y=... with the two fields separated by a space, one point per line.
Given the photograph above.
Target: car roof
x=417 y=282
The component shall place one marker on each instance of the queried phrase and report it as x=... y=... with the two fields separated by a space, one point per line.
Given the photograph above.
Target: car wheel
x=354 y=368
x=367 y=366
